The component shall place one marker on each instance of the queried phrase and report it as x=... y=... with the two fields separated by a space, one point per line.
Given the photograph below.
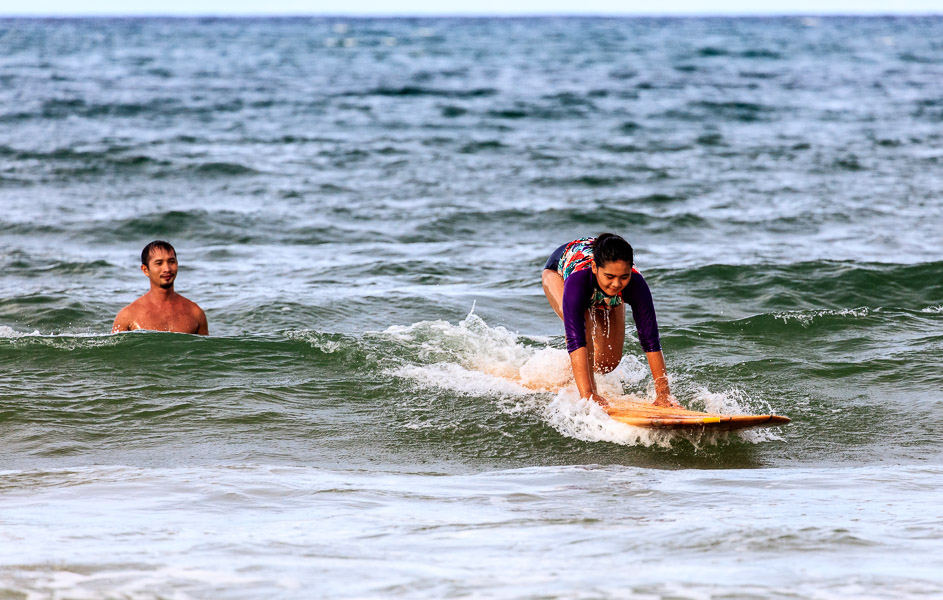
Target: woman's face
x=613 y=276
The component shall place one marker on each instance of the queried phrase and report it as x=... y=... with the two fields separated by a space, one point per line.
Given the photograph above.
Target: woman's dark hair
x=610 y=247
x=155 y=245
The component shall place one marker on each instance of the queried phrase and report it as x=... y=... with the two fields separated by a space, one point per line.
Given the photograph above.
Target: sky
x=465 y=7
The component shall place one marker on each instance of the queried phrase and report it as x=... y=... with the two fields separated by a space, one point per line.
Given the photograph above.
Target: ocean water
x=383 y=408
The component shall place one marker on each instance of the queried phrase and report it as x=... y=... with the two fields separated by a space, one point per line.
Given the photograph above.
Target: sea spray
x=521 y=375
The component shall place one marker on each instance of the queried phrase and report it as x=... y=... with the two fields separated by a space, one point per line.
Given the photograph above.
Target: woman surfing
x=588 y=282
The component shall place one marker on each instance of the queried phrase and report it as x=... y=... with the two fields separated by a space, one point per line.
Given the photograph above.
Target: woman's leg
x=608 y=335
x=553 y=288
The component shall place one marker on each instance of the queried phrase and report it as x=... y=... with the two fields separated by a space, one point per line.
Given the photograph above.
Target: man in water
x=161 y=309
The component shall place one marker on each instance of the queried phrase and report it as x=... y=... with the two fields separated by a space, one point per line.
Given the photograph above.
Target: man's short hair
x=155 y=245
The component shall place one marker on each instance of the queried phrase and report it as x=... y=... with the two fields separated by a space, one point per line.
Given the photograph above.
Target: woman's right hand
x=601 y=401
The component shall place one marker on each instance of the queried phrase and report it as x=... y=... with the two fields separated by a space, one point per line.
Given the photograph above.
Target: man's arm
x=204 y=328
x=122 y=321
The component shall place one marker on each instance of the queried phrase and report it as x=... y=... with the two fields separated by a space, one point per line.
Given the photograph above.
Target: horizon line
x=469 y=15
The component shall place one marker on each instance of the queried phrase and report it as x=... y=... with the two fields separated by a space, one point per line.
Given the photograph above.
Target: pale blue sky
x=465 y=7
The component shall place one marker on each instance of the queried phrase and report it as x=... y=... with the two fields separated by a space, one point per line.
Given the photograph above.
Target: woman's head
x=610 y=247
x=612 y=263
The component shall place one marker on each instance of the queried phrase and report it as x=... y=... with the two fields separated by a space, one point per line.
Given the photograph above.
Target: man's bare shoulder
x=196 y=313
x=189 y=304
x=127 y=315
x=134 y=308
x=136 y=305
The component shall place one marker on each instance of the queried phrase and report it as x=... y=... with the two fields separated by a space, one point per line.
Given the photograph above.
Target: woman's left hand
x=663 y=395
x=666 y=400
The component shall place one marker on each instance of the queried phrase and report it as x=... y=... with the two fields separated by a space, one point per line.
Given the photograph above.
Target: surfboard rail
x=639 y=414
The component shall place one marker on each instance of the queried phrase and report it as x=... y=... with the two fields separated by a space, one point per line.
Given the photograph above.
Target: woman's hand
x=583 y=374
x=663 y=397
x=667 y=400
x=585 y=382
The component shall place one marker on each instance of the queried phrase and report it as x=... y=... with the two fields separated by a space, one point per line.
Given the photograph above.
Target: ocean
x=384 y=408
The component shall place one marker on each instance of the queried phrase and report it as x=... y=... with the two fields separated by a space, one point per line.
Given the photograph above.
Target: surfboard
x=640 y=414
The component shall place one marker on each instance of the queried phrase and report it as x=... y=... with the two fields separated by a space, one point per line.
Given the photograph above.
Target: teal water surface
x=363 y=206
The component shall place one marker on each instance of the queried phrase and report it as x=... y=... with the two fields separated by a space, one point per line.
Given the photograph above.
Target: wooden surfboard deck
x=640 y=414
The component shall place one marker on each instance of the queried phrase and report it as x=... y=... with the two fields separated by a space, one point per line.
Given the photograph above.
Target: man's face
x=161 y=268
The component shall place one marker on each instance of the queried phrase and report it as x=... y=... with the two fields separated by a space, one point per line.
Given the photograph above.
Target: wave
x=591 y=217
x=57 y=109
x=482 y=146
x=221 y=227
x=118 y=160
x=788 y=300
x=10 y=333
x=115 y=157
x=556 y=109
x=48 y=312
x=745 y=112
x=223 y=169
x=419 y=91
x=471 y=389
x=525 y=376
x=811 y=286
x=478 y=382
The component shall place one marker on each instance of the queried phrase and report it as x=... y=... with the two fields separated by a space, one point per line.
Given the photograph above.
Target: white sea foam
x=736 y=402
x=585 y=420
x=127 y=581
x=317 y=340
x=459 y=379
x=727 y=403
x=9 y=332
x=473 y=359
x=933 y=309
x=805 y=318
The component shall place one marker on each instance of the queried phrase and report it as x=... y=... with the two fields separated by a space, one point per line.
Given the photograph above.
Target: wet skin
x=605 y=334
x=161 y=308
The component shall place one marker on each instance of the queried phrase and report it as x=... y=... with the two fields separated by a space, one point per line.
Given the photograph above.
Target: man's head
x=159 y=263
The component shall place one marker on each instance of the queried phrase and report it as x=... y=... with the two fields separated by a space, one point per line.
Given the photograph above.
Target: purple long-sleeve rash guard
x=578 y=293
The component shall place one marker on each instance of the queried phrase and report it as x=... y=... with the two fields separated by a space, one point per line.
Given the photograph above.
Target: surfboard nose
x=648 y=415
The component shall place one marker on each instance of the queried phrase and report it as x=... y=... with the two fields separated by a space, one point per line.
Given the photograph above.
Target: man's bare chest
x=167 y=320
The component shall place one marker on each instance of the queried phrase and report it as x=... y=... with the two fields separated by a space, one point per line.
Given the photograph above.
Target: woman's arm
x=583 y=375
x=639 y=297
x=663 y=397
x=577 y=292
